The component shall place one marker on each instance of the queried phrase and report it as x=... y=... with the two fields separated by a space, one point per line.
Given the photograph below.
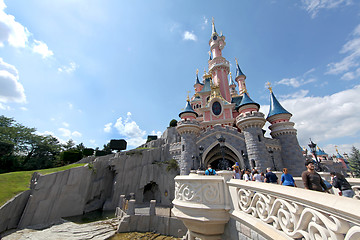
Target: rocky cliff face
x=97 y=185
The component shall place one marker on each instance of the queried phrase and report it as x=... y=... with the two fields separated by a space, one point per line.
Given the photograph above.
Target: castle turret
x=189 y=129
x=283 y=130
x=232 y=87
x=219 y=67
x=250 y=121
x=198 y=85
x=240 y=79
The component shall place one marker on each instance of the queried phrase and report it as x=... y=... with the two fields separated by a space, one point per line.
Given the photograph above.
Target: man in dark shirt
x=271 y=177
x=312 y=180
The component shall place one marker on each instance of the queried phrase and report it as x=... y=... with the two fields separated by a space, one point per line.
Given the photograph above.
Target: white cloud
x=65 y=124
x=69 y=68
x=351 y=75
x=297 y=81
x=4 y=107
x=12 y=32
x=68 y=134
x=107 y=127
x=92 y=141
x=351 y=60
x=314 y=6
x=325 y=118
x=342 y=148
x=24 y=109
x=157 y=133
x=189 y=36
x=205 y=23
x=71 y=106
x=300 y=94
x=130 y=130
x=42 y=49
x=10 y=88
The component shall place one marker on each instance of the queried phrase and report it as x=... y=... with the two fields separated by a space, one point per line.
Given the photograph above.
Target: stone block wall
x=235 y=230
x=10 y=213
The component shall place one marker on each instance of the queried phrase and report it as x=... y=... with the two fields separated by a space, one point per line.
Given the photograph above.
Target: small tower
x=232 y=87
x=189 y=129
x=198 y=85
x=240 y=79
x=250 y=121
x=283 y=130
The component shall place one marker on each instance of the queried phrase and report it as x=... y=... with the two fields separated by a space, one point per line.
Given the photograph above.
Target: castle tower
x=283 y=130
x=198 y=85
x=250 y=121
x=219 y=67
x=232 y=87
x=240 y=79
x=189 y=129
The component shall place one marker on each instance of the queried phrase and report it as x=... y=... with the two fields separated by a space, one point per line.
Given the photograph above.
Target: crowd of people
x=311 y=179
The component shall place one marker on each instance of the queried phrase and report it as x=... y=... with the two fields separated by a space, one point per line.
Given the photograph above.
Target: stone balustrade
x=212 y=207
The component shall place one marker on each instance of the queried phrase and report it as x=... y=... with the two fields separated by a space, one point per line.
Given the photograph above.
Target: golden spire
x=269 y=86
x=197 y=71
x=209 y=54
x=236 y=61
x=204 y=70
x=336 y=149
x=188 y=99
x=212 y=20
x=230 y=75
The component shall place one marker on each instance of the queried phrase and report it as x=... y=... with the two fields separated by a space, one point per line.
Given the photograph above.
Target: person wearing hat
x=236 y=171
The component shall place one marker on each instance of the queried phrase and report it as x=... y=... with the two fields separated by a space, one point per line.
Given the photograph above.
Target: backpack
x=211 y=172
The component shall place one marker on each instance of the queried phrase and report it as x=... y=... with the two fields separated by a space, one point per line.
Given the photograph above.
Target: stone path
x=68 y=230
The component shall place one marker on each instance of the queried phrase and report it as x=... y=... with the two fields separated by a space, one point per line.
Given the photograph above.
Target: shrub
x=173 y=123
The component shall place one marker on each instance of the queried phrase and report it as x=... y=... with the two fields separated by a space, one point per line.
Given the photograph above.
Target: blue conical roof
x=238 y=71
x=321 y=152
x=213 y=28
x=275 y=107
x=197 y=80
x=188 y=109
x=247 y=100
x=207 y=87
x=232 y=81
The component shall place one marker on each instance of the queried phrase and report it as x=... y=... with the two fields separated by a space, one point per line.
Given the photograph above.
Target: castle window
x=183 y=147
x=259 y=137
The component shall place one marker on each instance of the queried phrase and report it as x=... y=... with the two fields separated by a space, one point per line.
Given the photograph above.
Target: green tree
x=354 y=161
x=173 y=123
x=107 y=148
x=69 y=145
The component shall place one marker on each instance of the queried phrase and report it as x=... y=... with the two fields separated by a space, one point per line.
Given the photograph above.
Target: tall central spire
x=213 y=27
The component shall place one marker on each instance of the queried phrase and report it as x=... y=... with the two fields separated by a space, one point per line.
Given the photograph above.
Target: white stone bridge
x=218 y=207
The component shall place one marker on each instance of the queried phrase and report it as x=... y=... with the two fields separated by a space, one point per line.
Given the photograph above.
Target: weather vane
x=269 y=86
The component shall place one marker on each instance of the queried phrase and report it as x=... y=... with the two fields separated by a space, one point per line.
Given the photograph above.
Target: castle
x=221 y=126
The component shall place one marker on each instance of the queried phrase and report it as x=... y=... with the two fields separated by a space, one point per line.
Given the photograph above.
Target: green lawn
x=15 y=182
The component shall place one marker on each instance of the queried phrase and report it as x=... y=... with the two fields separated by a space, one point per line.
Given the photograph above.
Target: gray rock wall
x=10 y=213
x=237 y=230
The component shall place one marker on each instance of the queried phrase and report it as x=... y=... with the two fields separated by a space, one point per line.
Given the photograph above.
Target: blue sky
x=96 y=70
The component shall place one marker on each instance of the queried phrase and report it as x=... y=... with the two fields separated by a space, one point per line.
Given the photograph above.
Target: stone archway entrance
x=221 y=158
x=151 y=192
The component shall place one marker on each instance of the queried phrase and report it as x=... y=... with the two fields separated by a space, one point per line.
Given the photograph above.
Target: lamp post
x=201 y=151
x=272 y=159
x=312 y=147
x=223 y=164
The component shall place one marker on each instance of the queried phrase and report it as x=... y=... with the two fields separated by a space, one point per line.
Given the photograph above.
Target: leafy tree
x=354 y=161
x=107 y=148
x=88 y=152
x=173 y=123
x=80 y=147
x=70 y=156
x=69 y=145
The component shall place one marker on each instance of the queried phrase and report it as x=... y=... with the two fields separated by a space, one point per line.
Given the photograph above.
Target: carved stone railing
x=201 y=202
x=206 y=203
x=298 y=213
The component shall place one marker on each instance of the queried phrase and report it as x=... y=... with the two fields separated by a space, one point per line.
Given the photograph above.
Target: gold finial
x=236 y=61
x=197 y=71
x=230 y=75
x=204 y=70
x=269 y=86
x=212 y=20
x=209 y=54
x=220 y=33
x=188 y=99
x=336 y=149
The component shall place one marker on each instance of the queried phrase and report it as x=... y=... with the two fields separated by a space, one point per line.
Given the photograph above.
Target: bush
x=173 y=123
x=88 y=152
x=99 y=153
x=71 y=156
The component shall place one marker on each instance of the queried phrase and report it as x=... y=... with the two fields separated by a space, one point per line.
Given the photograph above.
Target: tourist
x=246 y=175
x=236 y=171
x=287 y=179
x=210 y=171
x=257 y=177
x=312 y=180
x=271 y=177
x=338 y=181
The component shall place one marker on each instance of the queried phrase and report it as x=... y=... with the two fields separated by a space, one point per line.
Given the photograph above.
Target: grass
x=15 y=182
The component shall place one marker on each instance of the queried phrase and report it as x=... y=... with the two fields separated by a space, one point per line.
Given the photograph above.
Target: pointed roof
x=238 y=70
x=275 y=106
x=247 y=100
x=320 y=152
x=213 y=27
x=188 y=109
x=232 y=81
x=197 y=78
x=207 y=87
